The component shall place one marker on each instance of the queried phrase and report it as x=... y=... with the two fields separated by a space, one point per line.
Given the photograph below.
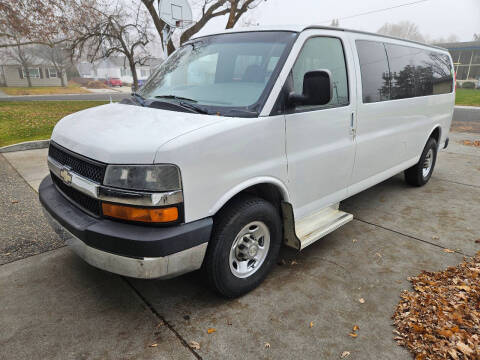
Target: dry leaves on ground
x=440 y=319
x=475 y=143
x=194 y=345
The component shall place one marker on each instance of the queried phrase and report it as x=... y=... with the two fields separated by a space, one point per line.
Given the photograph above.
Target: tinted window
x=402 y=70
x=323 y=53
x=442 y=73
x=418 y=72
x=374 y=71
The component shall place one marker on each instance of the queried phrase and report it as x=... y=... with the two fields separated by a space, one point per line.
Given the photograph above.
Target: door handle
x=352 y=125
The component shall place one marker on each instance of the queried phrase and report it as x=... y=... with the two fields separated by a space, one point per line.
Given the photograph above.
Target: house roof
x=468 y=45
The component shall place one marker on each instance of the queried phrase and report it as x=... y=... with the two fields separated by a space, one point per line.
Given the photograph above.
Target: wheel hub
x=249 y=249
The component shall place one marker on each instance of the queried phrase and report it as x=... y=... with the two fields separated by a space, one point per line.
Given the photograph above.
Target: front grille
x=88 y=168
x=86 y=202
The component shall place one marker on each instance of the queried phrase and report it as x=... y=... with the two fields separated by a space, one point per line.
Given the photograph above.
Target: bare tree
x=118 y=29
x=476 y=37
x=57 y=56
x=22 y=55
x=27 y=22
x=208 y=9
x=403 y=29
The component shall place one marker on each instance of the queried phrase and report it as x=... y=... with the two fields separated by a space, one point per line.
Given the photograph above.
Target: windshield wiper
x=185 y=102
x=175 y=97
x=194 y=107
x=139 y=98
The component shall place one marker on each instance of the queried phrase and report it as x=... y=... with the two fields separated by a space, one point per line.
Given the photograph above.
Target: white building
x=116 y=67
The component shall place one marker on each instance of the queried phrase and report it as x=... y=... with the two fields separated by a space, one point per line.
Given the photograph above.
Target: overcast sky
x=435 y=18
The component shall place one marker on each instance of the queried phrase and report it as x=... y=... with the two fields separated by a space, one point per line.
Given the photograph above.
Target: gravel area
x=24 y=230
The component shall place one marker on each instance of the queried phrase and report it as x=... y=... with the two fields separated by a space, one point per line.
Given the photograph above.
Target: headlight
x=143 y=177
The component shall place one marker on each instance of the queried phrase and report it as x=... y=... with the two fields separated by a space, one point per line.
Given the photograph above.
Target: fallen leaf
x=467 y=142
x=15 y=202
x=311 y=324
x=160 y=324
x=194 y=345
x=378 y=254
x=211 y=330
x=361 y=301
x=153 y=345
x=448 y=251
x=477 y=241
x=229 y=322
x=464 y=348
x=453 y=354
x=267 y=345
x=344 y=354
x=353 y=335
x=354 y=240
x=435 y=237
x=293 y=262
x=355 y=328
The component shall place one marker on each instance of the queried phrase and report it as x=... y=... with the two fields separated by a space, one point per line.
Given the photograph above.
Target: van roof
x=300 y=28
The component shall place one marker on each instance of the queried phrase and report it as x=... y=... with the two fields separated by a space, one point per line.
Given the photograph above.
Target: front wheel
x=245 y=243
x=420 y=173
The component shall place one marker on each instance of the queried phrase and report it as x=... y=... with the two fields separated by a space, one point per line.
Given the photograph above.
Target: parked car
x=113 y=82
x=220 y=169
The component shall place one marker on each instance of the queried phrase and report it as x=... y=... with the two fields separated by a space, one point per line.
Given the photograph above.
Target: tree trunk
x=133 y=70
x=62 y=80
x=29 y=81
x=231 y=16
x=159 y=24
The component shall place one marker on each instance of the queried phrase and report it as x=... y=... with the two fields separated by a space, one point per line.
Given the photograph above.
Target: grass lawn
x=468 y=97
x=34 y=120
x=44 y=90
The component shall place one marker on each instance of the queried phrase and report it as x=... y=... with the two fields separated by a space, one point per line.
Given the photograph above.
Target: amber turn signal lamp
x=140 y=214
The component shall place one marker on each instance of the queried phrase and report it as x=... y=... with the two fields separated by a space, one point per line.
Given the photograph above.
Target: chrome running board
x=314 y=227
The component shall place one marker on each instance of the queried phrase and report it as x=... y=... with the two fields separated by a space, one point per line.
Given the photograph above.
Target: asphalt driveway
x=52 y=305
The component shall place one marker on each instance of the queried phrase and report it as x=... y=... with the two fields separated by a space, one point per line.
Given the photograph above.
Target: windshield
x=223 y=72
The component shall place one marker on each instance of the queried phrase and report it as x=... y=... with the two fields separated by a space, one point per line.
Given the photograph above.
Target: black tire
x=414 y=176
x=227 y=224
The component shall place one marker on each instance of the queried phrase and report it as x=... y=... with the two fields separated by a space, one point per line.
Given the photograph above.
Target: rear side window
x=392 y=72
x=374 y=71
x=323 y=53
x=417 y=72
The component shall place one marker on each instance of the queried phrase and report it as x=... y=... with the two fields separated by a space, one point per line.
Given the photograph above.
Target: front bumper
x=126 y=249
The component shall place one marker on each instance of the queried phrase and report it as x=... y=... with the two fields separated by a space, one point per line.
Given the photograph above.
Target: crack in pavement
x=456 y=182
x=409 y=236
x=161 y=318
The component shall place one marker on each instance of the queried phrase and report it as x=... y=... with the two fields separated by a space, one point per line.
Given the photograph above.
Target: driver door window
x=322 y=53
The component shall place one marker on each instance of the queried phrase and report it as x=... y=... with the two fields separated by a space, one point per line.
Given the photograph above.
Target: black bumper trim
x=120 y=238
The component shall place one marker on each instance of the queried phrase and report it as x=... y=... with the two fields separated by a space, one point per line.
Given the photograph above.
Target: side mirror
x=317 y=89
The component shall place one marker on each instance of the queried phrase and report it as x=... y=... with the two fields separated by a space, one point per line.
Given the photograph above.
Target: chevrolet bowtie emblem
x=66 y=175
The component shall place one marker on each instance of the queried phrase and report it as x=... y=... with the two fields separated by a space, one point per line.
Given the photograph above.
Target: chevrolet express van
x=241 y=142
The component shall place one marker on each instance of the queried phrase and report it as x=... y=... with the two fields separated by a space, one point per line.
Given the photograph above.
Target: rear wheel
x=245 y=243
x=420 y=173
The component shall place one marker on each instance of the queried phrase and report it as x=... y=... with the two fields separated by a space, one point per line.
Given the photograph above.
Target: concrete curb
x=27 y=145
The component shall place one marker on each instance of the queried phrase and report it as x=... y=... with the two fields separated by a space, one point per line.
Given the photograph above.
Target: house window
x=52 y=72
x=33 y=72
x=145 y=73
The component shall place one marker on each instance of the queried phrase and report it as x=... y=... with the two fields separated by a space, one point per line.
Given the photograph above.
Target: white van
x=242 y=141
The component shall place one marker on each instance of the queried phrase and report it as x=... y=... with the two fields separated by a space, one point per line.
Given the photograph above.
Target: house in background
x=466 y=59
x=41 y=74
x=116 y=67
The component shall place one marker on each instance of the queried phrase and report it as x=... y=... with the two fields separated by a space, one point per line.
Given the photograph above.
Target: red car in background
x=113 y=82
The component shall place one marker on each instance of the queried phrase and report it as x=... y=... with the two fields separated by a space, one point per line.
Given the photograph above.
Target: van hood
x=125 y=134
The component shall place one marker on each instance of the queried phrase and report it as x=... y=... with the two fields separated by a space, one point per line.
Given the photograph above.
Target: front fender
x=246 y=184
